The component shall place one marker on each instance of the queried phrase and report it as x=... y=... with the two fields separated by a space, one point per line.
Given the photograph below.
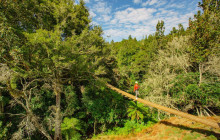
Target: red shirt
x=136 y=87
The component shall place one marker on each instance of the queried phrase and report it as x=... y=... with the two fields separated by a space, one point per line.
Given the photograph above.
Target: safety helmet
x=136 y=82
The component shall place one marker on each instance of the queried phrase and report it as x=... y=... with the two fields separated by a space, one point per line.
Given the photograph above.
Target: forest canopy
x=54 y=65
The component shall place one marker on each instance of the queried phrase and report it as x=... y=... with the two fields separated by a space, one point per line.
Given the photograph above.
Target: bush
x=188 y=95
x=130 y=126
x=4 y=130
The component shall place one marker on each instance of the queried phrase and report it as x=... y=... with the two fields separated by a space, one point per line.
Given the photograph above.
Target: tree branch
x=13 y=114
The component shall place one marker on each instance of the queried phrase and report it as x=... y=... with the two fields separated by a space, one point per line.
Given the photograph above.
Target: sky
x=138 y=18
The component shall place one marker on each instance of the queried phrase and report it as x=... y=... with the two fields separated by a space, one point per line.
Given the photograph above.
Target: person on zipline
x=136 y=87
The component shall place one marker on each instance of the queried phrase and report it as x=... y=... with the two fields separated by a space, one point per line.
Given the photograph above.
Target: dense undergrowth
x=130 y=127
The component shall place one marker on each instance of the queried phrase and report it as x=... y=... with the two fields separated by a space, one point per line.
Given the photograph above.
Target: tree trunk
x=94 y=127
x=58 y=119
x=158 y=115
x=40 y=126
x=1 y=105
x=200 y=73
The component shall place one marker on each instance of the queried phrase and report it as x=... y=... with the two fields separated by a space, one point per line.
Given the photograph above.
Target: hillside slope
x=174 y=128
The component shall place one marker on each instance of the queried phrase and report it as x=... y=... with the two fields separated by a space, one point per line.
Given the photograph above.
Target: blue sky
x=138 y=18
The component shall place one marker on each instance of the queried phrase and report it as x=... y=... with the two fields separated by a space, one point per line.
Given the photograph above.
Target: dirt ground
x=174 y=128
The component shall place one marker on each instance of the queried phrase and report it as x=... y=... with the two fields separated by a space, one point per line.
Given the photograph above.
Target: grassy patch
x=130 y=127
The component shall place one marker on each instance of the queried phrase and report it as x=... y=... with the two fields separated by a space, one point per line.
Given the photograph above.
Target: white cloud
x=166 y=13
x=115 y=33
x=133 y=15
x=161 y=2
x=119 y=23
x=94 y=23
x=102 y=7
x=149 y=2
x=124 y=6
x=86 y=1
x=141 y=22
x=106 y=18
x=103 y=10
x=138 y=32
x=114 y=21
x=156 y=3
x=175 y=19
x=174 y=5
x=137 y=1
x=92 y=14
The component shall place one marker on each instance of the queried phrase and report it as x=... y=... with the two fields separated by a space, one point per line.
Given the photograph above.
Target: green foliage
x=160 y=28
x=178 y=32
x=205 y=31
x=126 y=58
x=55 y=45
x=130 y=127
x=49 y=47
x=13 y=82
x=181 y=30
x=182 y=80
x=72 y=102
x=41 y=100
x=131 y=59
x=187 y=91
x=4 y=131
x=106 y=108
x=174 y=31
x=137 y=111
x=72 y=128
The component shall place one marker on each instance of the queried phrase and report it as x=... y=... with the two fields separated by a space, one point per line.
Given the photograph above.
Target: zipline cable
x=166 y=109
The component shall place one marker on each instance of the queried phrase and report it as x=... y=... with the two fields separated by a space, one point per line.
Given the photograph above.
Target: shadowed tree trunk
x=58 y=119
x=94 y=127
x=1 y=105
x=200 y=73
